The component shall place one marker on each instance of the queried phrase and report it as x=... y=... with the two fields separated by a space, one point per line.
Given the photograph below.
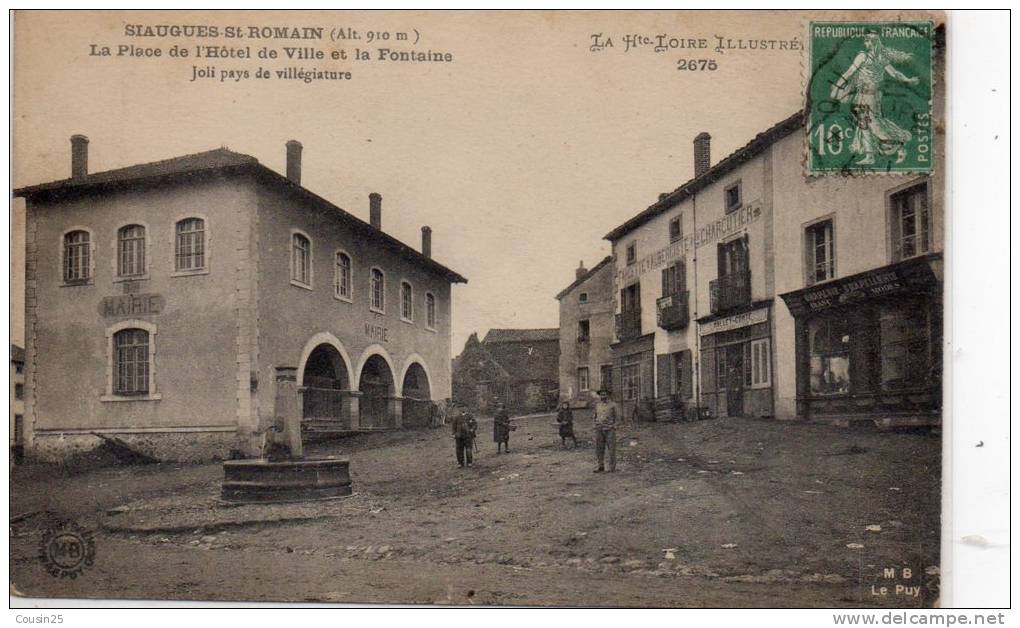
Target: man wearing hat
x=605 y=432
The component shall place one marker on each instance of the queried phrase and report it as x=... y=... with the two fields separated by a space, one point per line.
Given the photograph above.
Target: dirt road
x=715 y=513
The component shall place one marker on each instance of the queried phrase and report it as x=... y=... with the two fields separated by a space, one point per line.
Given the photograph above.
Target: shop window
x=821 y=264
x=189 y=245
x=77 y=256
x=676 y=229
x=582 y=379
x=906 y=356
x=757 y=366
x=343 y=276
x=131 y=362
x=732 y=196
x=631 y=253
x=378 y=291
x=406 y=302
x=131 y=251
x=583 y=331
x=829 y=345
x=911 y=222
x=606 y=377
x=301 y=260
x=430 y=310
x=630 y=377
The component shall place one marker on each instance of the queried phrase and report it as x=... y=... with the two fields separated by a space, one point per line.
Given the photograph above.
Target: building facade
x=752 y=290
x=516 y=367
x=587 y=311
x=170 y=303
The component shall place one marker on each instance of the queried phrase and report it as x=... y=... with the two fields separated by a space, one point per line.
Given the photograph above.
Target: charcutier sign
x=128 y=305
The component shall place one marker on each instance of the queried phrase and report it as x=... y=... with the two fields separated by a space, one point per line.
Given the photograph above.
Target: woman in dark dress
x=565 y=417
x=501 y=428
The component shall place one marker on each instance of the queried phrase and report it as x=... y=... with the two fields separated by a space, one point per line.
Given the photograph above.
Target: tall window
x=378 y=294
x=911 y=222
x=131 y=251
x=630 y=377
x=582 y=379
x=606 y=377
x=430 y=310
x=631 y=253
x=189 y=247
x=131 y=362
x=301 y=260
x=906 y=356
x=821 y=263
x=757 y=368
x=76 y=256
x=676 y=229
x=406 y=301
x=343 y=276
x=829 y=344
x=732 y=194
x=583 y=330
x=674 y=279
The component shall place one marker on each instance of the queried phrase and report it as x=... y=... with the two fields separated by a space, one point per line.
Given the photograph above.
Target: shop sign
x=736 y=321
x=128 y=305
x=707 y=234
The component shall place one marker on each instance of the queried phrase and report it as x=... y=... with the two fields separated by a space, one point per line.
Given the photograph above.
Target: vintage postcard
x=522 y=308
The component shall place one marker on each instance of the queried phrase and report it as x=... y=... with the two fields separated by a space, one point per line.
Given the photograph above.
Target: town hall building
x=166 y=302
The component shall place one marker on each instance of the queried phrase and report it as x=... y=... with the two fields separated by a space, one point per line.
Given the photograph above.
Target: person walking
x=501 y=428
x=605 y=432
x=565 y=419
x=464 y=428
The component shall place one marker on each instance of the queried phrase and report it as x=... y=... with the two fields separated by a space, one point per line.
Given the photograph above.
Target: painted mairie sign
x=128 y=305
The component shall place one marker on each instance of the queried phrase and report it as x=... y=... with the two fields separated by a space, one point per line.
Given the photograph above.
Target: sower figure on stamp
x=565 y=419
x=464 y=427
x=501 y=428
x=605 y=432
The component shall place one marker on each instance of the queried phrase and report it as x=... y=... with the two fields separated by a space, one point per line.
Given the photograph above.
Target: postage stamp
x=869 y=93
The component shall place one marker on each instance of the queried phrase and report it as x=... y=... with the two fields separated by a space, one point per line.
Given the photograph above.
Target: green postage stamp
x=869 y=96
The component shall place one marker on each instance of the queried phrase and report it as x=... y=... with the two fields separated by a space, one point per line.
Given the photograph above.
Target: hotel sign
x=727 y=225
x=128 y=305
x=736 y=321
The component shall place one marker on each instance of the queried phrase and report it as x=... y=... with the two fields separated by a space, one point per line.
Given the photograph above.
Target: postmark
x=869 y=98
x=67 y=549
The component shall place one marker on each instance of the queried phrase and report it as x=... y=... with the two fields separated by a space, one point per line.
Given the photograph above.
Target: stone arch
x=325 y=338
x=379 y=389
x=374 y=349
x=416 y=360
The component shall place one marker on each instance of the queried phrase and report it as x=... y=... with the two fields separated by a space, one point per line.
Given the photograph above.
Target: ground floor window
x=582 y=379
x=131 y=362
x=630 y=377
x=906 y=346
x=757 y=367
x=606 y=376
x=829 y=348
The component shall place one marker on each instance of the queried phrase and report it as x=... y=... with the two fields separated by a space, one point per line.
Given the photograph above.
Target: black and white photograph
x=641 y=309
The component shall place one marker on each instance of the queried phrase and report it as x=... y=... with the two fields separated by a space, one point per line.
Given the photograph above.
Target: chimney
x=702 y=153
x=426 y=241
x=375 y=210
x=294 y=161
x=79 y=156
x=581 y=270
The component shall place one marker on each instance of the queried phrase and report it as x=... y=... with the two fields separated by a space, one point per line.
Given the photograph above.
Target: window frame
x=603 y=384
x=678 y=220
x=431 y=313
x=630 y=251
x=809 y=261
x=633 y=372
x=206 y=239
x=349 y=297
x=736 y=185
x=586 y=387
x=409 y=301
x=582 y=298
x=586 y=337
x=371 y=290
x=294 y=281
x=758 y=364
x=894 y=223
x=111 y=331
x=146 y=258
x=61 y=267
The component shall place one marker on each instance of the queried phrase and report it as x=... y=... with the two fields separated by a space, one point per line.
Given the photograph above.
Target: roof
x=743 y=154
x=17 y=354
x=521 y=335
x=220 y=161
x=585 y=276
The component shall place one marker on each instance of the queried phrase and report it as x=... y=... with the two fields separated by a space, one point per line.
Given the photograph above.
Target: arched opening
x=417 y=398
x=325 y=372
x=377 y=393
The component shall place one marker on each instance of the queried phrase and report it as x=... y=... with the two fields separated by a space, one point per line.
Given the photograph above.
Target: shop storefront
x=736 y=363
x=633 y=388
x=869 y=345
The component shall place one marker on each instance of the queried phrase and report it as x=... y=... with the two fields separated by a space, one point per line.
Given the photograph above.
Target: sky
x=521 y=153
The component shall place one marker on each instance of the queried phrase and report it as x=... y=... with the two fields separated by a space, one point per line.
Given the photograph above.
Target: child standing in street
x=565 y=418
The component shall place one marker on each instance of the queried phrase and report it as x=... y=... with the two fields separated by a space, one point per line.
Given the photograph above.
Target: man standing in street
x=501 y=428
x=605 y=432
x=464 y=427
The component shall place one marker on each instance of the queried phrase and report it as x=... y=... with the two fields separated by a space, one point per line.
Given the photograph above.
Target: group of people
x=465 y=429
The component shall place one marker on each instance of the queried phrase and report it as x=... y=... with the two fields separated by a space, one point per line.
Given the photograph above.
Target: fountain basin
x=274 y=481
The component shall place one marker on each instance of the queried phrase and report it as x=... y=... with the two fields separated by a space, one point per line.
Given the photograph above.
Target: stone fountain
x=282 y=473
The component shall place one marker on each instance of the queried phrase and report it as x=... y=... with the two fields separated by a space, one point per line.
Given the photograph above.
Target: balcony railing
x=730 y=291
x=628 y=324
x=672 y=312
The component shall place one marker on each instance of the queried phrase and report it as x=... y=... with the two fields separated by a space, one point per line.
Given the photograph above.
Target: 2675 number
x=697 y=65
